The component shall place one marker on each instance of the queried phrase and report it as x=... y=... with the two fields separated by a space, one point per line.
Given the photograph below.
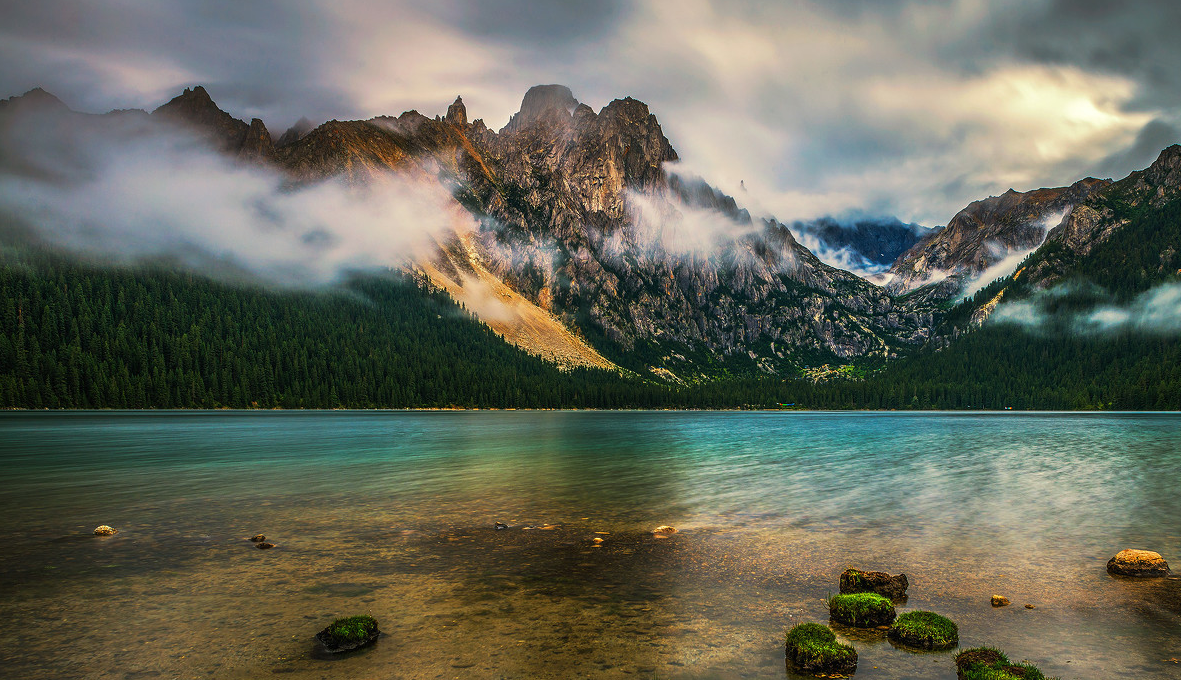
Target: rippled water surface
x=391 y=514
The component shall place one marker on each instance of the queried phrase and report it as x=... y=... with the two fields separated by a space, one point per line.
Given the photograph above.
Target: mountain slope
x=1121 y=242
x=580 y=216
x=983 y=235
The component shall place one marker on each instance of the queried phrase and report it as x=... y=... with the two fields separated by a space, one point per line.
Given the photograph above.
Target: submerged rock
x=104 y=530
x=925 y=630
x=1138 y=563
x=499 y=526
x=863 y=610
x=347 y=634
x=813 y=648
x=264 y=545
x=987 y=663
x=857 y=581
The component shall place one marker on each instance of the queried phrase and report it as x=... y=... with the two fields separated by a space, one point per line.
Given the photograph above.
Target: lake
x=392 y=514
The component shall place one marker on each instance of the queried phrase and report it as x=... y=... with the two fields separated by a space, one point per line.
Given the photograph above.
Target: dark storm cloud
x=1135 y=39
x=257 y=57
x=1152 y=139
x=528 y=23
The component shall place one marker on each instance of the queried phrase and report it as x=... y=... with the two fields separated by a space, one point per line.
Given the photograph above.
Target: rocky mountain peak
x=196 y=109
x=457 y=113
x=550 y=103
x=296 y=132
x=1166 y=170
x=34 y=99
x=983 y=234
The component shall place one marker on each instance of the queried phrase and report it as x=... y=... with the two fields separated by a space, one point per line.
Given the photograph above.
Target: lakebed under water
x=392 y=513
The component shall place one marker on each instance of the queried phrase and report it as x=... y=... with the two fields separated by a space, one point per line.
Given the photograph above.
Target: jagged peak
x=457 y=113
x=543 y=102
x=35 y=98
x=296 y=132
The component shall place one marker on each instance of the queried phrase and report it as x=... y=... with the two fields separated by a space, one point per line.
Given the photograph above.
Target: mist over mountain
x=572 y=233
x=866 y=246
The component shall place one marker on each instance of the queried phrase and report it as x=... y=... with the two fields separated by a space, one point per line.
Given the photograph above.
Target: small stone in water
x=265 y=546
x=258 y=538
x=499 y=526
x=1030 y=606
x=1000 y=601
x=104 y=530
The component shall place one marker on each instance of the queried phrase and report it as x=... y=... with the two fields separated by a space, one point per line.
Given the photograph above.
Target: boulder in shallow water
x=857 y=581
x=925 y=630
x=347 y=634
x=861 y=610
x=988 y=663
x=104 y=530
x=264 y=545
x=1000 y=601
x=664 y=530
x=813 y=648
x=1138 y=563
x=258 y=538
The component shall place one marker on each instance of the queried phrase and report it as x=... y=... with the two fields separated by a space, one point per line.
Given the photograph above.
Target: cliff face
x=1104 y=213
x=194 y=109
x=983 y=234
x=581 y=216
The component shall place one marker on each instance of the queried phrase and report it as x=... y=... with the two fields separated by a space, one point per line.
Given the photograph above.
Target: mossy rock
x=857 y=581
x=925 y=630
x=987 y=663
x=813 y=648
x=862 y=610
x=346 y=634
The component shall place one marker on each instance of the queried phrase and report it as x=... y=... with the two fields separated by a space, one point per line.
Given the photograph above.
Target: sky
x=910 y=108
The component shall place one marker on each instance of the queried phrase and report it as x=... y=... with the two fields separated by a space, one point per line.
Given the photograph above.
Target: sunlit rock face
x=581 y=215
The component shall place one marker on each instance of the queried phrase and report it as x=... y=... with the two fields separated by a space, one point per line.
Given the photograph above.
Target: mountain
x=587 y=248
x=195 y=108
x=982 y=236
x=580 y=216
x=864 y=245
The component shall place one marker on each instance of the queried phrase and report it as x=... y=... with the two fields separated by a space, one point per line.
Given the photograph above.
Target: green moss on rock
x=813 y=648
x=349 y=633
x=863 y=610
x=925 y=630
x=988 y=663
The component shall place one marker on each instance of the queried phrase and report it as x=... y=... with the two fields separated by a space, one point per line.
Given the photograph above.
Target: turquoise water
x=391 y=513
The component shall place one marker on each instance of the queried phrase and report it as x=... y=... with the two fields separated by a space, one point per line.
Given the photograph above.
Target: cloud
x=1008 y=260
x=906 y=107
x=668 y=225
x=1154 y=312
x=157 y=195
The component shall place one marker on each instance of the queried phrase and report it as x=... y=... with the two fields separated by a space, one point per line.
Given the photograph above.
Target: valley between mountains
x=573 y=235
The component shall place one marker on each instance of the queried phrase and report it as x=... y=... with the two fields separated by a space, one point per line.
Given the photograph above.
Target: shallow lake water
x=392 y=514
